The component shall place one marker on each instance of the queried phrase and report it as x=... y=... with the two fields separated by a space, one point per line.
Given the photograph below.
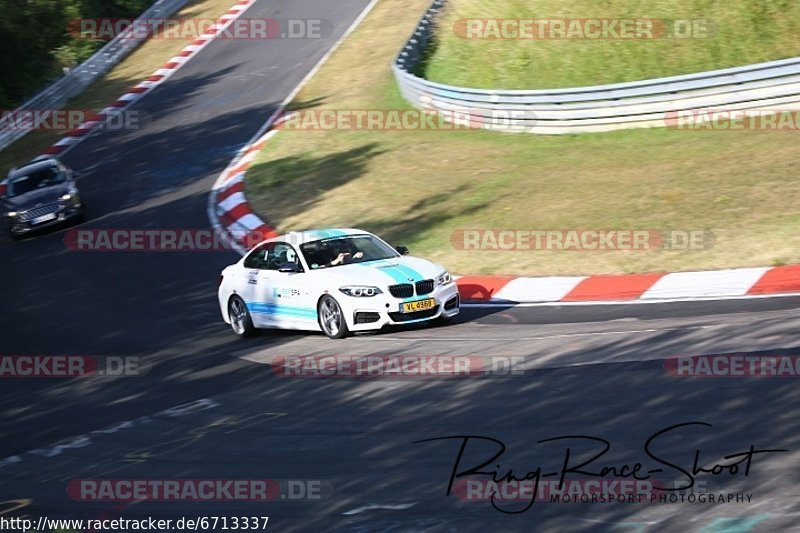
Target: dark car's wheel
x=331 y=318
x=241 y=323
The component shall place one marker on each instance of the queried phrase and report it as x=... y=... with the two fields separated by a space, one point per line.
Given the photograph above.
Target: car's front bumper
x=365 y=314
x=18 y=227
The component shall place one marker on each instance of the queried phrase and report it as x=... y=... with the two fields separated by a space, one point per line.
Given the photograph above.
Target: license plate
x=419 y=305
x=44 y=218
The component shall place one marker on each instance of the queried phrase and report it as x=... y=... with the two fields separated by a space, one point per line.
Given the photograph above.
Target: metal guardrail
x=76 y=80
x=648 y=103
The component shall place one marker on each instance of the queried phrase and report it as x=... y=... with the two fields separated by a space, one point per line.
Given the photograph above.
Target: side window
x=258 y=257
x=280 y=254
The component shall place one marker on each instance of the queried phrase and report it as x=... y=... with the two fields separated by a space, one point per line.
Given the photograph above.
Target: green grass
x=418 y=187
x=744 y=31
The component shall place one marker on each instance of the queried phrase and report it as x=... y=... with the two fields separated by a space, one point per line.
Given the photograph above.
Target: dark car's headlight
x=444 y=278
x=12 y=214
x=360 y=291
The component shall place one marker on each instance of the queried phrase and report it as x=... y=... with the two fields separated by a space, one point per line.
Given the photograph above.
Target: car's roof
x=302 y=237
x=32 y=167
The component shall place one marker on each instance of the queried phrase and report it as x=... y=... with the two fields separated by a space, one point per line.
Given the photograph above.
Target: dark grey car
x=39 y=195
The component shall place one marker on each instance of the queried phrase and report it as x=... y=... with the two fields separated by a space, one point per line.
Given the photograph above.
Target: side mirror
x=402 y=250
x=290 y=267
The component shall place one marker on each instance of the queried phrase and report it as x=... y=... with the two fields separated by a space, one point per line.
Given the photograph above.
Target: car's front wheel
x=241 y=323
x=331 y=318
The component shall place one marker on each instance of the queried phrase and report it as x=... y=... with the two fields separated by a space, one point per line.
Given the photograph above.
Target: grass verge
x=418 y=187
x=725 y=33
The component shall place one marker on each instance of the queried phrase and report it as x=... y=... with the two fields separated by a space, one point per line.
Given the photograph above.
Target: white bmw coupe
x=335 y=280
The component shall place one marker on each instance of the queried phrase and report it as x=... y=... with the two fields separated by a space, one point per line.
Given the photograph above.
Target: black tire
x=241 y=323
x=331 y=318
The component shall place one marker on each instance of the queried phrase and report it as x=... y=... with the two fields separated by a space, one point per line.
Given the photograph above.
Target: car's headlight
x=12 y=214
x=66 y=196
x=360 y=291
x=444 y=278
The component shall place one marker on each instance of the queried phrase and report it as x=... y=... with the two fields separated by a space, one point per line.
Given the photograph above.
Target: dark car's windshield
x=38 y=179
x=345 y=250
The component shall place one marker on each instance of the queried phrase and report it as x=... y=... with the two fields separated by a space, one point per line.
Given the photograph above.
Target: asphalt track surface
x=583 y=370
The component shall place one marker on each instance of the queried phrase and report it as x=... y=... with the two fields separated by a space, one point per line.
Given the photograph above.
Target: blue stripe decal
x=283 y=310
x=395 y=273
x=410 y=273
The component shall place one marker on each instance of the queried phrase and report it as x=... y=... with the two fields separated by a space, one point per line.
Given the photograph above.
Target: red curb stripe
x=185 y=53
x=778 y=279
x=481 y=288
x=199 y=41
x=227 y=220
x=239 y=211
x=138 y=90
x=155 y=77
x=171 y=65
x=605 y=288
x=230 y=191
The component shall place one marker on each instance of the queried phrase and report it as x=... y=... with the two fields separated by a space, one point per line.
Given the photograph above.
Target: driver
x=347 y=253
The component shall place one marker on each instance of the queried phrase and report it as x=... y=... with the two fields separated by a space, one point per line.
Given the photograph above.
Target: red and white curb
x=228 y=210
x=710 y=285
x=157 y=78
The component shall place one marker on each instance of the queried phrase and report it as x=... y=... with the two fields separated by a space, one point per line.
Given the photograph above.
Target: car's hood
x=385 y=272
x=30 y=199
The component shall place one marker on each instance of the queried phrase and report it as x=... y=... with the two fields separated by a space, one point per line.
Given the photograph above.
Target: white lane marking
x=630 y=302
x=82 y=441
x=376 y=506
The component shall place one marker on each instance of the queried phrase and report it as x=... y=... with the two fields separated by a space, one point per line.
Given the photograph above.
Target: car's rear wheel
x=241 y=323
x=331 y=318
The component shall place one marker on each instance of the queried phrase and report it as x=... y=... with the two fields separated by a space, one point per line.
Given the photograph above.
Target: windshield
x=338 y=251
x=38 y=179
